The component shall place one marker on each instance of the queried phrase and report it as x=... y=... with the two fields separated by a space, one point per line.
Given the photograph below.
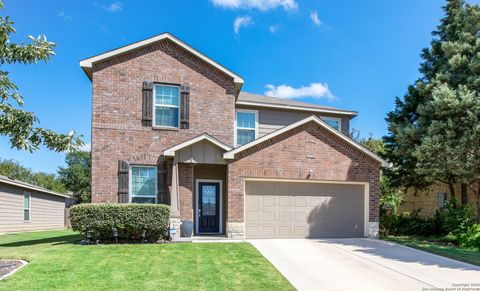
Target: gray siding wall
x=46 y=210
x=270 y=120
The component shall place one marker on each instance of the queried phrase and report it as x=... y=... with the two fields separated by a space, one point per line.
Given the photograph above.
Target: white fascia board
x=87 y=63
x=231 y=154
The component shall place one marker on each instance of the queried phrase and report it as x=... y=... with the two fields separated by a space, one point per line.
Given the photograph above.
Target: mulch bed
x=9 y=266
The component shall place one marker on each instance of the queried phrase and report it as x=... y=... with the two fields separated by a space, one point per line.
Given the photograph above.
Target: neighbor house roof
x=87 y=64
x=231 y=154
x=21 y=184
x=170 y=152
x=256 y=100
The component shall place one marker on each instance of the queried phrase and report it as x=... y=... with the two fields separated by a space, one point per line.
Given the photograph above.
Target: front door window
x=208 y=208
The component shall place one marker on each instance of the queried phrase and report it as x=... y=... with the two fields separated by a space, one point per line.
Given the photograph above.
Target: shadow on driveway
x=393 y=251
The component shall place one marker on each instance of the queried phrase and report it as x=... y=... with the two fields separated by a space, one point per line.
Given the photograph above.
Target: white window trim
x=333 y=118
x=236 y=127
x=130 y=180
x=220 y=202
x=154 y=107
x=29 y=207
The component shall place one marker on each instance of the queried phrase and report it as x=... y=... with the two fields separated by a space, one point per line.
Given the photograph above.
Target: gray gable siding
x=270 y=120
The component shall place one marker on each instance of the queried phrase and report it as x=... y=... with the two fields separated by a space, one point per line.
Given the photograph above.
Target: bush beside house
x=456 y=223
x=129 y=220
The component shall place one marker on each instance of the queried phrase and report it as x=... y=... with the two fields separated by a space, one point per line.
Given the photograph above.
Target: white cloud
x=314 y=90
x=64 y=16
x=314 y=18
x=256 y=4
x=241 y=21
x=113 y=7
x=274 y=28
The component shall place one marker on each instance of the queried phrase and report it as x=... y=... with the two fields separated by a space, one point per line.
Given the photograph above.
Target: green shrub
x=410 y=224
x=457 y=219
x=470 y=238
x=129 y=220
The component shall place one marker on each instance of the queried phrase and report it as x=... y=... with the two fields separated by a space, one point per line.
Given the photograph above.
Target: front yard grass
x=57 y=262
x=431 y=245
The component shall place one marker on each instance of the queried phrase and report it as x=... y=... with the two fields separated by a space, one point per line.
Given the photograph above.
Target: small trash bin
x=187 y=228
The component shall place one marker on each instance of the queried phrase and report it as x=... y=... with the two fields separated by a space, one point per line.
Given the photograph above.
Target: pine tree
x=433 y=129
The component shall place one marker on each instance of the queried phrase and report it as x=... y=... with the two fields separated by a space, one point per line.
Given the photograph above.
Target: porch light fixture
x=310 y=174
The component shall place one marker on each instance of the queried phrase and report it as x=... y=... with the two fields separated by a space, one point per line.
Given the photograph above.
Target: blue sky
x=358 y=54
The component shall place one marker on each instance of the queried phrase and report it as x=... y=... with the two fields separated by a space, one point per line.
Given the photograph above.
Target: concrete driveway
x=364 y=264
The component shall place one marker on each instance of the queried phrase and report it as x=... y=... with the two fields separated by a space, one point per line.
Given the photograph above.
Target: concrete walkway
x=364 y=264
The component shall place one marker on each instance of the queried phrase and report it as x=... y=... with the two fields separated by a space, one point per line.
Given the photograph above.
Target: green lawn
x=57 y=262
x=468 y=255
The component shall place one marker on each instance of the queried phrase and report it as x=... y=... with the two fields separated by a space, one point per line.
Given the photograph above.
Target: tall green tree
x=432 y=129
x=77 y=175
x=20 y=126
x=15 y=170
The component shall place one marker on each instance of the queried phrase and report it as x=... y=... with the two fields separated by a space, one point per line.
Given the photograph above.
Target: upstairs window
x=143 y=188
x=26 y=206
x=333 y=122
x=167 y=103
x=246 y=122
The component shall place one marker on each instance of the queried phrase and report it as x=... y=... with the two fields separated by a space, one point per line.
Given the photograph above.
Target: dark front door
x=208 y=207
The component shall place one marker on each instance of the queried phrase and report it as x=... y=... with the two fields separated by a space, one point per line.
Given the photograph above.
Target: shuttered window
x=26 y=206
x=143 y=187
x=167 y=104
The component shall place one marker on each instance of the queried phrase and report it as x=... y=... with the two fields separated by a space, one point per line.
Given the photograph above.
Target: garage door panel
x=285 y=201
x=268 y=215
x=285 y=231
x=285 y=216
x=268 y=200
x=252 y=216
x=252 y=200
x=300 y=201
x=316 y=210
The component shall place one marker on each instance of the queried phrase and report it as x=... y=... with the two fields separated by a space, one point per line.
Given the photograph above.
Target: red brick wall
x=117 y=131
x=292 y=155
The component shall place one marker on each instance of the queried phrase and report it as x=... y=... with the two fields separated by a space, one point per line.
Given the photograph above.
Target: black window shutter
x=185 y=107
x=162 y=180
x=123 y=173
x=147 y=103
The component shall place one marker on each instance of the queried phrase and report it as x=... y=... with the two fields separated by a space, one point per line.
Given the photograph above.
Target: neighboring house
x=26 y=207
x=430 y=200
x=170 y=125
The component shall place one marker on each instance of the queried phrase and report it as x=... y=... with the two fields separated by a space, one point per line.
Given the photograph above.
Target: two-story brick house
x=170 y=125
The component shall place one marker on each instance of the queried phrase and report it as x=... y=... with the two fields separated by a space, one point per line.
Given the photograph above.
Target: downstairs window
x=143 y=188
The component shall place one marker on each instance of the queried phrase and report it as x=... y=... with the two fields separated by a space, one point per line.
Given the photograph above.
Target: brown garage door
x=303 y=210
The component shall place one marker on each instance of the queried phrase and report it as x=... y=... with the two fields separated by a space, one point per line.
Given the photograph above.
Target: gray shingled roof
x=18 y=183
x=274 y=101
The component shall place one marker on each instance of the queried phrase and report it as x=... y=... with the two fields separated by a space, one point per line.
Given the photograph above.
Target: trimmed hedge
x=129 y=220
